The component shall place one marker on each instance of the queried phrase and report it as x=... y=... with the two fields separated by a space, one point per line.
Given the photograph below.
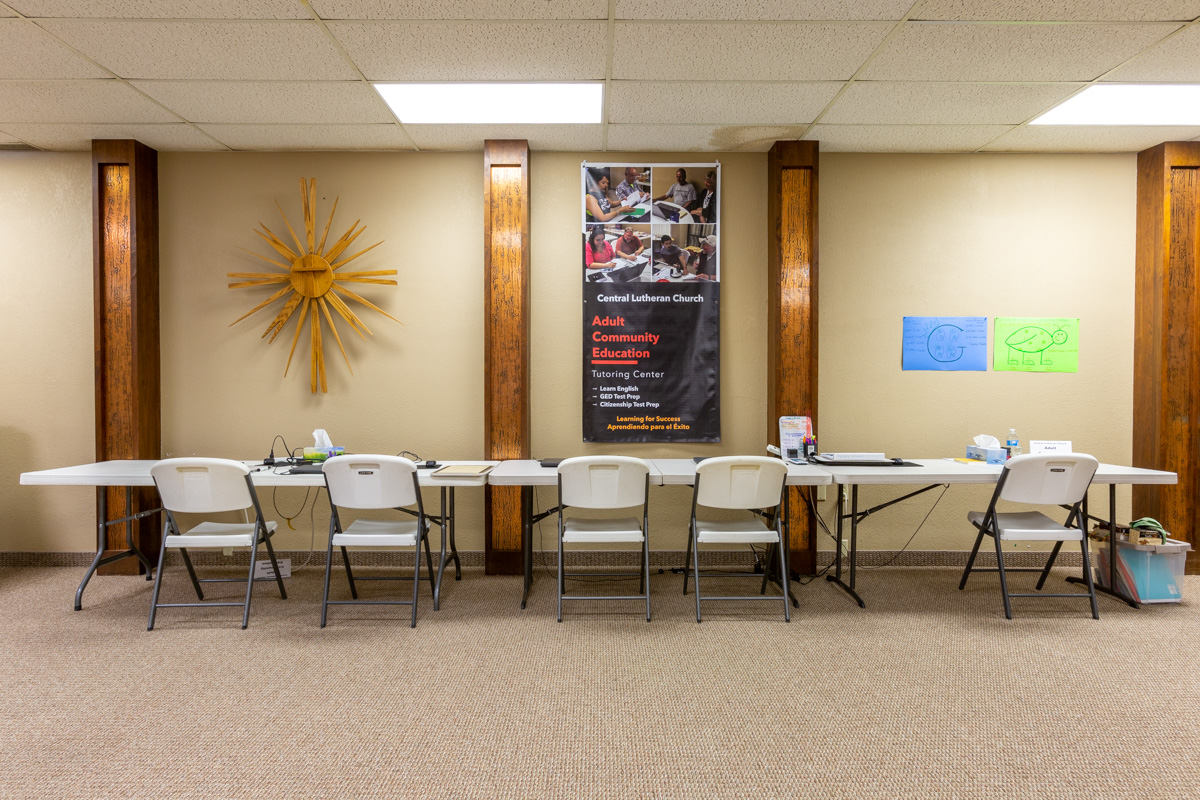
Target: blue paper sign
x=945 y=343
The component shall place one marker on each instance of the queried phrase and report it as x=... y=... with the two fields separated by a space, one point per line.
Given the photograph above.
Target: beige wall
x=979 y=235
x=46 y=396
x=915 y=235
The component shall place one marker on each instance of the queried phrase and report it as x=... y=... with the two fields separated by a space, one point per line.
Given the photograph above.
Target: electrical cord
x=312 y=525
x=299 y=511
x=914 y=533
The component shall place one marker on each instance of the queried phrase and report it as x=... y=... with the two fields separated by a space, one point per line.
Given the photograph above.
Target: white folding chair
x=749 y=483
x=1037 y=480
x=209 y=486
x=605 y=483
x=371 y=483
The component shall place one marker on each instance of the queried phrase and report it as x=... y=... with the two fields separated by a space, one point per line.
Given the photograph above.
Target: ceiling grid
x=701 y=75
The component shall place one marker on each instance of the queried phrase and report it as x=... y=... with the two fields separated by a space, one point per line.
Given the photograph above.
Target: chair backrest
x=602 y=481
x=370 y=481
x=1047 y=479
x=202 y=485
x=740 y=482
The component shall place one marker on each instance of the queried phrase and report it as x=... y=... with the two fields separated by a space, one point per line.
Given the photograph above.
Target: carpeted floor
x=928 y=692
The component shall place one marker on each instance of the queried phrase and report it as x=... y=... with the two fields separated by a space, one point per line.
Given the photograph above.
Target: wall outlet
x=226 y=551
x=821 y=493
x=263 y=571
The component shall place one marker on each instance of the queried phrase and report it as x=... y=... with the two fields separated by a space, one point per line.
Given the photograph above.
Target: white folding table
x=137 y=473
x=934 y=472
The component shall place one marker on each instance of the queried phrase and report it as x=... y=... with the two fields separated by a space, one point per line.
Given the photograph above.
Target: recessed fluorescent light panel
x=1128 y=104
x=494 y=103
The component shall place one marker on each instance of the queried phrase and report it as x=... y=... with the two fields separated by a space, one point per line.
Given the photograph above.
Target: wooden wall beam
x=506 y=341
x=125 y=287
x=792 y=312
x=1166 y=350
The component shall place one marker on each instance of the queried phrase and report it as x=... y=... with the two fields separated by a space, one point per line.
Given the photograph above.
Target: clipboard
x=462 y=470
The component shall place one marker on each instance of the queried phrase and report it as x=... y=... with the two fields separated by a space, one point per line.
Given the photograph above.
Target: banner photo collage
x=1022 y=344
x=651 y=302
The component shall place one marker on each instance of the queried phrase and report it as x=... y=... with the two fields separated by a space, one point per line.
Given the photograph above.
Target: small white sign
x=1049 y=448
x=263 y=571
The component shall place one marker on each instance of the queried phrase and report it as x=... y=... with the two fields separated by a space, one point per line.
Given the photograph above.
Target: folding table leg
x=101 y=528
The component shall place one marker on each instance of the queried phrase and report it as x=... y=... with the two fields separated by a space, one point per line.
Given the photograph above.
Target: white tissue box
x=992 y=455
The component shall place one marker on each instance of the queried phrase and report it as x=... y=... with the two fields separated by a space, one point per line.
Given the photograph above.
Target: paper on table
x=462 y=470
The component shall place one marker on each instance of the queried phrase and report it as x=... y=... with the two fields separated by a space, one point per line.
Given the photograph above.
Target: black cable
x=299 y=511
x=312 y=525
x=914 y=533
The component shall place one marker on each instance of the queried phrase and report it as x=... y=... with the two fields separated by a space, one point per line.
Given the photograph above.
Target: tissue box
x=322 y=453
x=992 y=455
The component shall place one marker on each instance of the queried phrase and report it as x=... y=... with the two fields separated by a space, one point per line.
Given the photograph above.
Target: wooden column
x=125 y=257
x=1166 y=349
x=506 y=341
x=792 y=313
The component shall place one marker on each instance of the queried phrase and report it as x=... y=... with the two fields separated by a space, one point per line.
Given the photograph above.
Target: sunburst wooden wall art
x=313 y=281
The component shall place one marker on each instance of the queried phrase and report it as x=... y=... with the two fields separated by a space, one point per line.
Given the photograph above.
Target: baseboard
x=659 y=559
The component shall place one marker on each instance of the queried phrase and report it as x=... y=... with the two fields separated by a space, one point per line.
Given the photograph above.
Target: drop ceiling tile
x=207 y=50
x=1176 y=59
x=475 y=51
x=1088 y=138
x=904 y=138
x=748 y=51
x=29 y=53
x=764 y=9
x=707 y=138
x=79 y=137
x=541 y=137
x=77 y=101
x=878 y=103
x=937 y=51
x=460 y=9
x=156 y=9
x=4 y=12
x=1073 y=10
x=6 y=138
x=269 y=101
x=741 y=103
x=310 y=137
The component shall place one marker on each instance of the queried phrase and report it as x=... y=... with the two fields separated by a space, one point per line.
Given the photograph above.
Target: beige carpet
x=927 y=693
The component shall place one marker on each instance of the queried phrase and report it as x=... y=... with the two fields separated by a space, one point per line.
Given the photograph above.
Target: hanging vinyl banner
x=651 y=302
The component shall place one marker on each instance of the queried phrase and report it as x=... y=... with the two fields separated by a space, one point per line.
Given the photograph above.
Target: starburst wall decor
x=313 y=280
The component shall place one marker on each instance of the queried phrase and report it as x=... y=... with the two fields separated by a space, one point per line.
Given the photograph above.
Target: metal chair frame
x=335 y=527
x=261 y=536
x=783 y=545
x=643 y=573
x=988 y=527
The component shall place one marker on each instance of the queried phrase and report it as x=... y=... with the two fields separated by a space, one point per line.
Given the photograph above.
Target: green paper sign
x=1036 y=344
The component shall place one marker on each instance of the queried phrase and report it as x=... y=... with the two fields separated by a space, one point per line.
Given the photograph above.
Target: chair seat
x=619 y=529
x=217 y=534
x=739 y=531
x=377 y=533
x=1028 y=525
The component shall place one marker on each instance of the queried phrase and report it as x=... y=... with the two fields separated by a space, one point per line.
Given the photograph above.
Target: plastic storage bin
x=1149 y=573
